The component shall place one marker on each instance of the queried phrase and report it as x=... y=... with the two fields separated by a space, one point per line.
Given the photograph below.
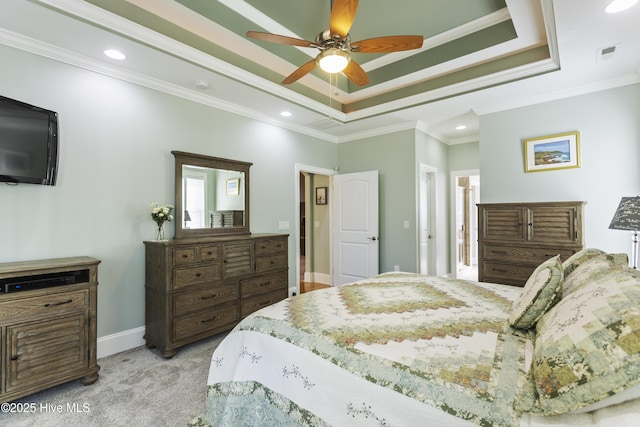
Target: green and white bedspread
x=399 y=349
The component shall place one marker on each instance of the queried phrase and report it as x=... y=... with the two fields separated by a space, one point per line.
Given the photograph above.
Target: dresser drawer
x=263 y=284
x=221 y=319
x=522 y=254
x=209 y=253
x=183 y=256
x=44 y=305
x=194 y=301
x=510 y=274
x=184 y=277
x=250 y=305
x=268 y=246
x=194 y=254
x=273 y=262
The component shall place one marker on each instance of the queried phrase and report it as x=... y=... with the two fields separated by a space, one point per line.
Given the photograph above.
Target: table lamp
x=627 y=217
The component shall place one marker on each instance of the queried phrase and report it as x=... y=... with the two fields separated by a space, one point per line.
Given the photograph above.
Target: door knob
x=373 y=238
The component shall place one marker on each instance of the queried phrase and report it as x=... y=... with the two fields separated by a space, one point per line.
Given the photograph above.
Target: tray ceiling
x=198 y=49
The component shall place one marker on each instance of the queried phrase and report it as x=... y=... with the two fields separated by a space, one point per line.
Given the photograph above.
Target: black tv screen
x=28 y=143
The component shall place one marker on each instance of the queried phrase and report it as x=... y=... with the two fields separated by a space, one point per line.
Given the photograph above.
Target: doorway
x=312 y=230
x=466 y=194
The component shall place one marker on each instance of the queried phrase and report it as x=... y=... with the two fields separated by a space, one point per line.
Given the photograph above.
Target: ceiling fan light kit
x=333 y=60
x=335 y=44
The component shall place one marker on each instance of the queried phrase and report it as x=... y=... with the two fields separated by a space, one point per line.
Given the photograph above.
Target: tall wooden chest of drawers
x=47 y=324
x=199 y=287
x=514 y=238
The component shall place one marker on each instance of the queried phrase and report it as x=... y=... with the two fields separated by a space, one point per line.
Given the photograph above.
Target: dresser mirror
x=211 y=196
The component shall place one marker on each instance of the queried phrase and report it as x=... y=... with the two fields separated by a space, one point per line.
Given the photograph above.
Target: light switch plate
x=283 y=225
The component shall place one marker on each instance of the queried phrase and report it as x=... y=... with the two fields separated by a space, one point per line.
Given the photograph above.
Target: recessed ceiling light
x=619 y=5
x=115 y=54
x=461 y=127
x=285 y=114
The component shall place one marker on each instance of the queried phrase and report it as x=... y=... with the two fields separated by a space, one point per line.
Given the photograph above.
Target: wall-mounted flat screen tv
x=28 y=143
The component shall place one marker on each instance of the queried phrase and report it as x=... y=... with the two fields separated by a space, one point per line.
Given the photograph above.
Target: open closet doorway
x=465 y=236
x=313 y=228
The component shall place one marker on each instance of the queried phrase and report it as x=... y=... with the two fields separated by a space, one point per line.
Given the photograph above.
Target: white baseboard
x=121 y=341
x=322 y=278
x=325 y=279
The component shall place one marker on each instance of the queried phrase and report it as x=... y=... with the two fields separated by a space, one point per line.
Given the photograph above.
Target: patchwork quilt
x=398 y=349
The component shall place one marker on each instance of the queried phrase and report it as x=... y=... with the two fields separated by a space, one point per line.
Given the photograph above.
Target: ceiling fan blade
x=343 y=12
x=387 y=44
x=300 y=72
x=356 y=74
x=274 y=38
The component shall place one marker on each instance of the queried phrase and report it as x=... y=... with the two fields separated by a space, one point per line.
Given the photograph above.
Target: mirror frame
x=182 y=158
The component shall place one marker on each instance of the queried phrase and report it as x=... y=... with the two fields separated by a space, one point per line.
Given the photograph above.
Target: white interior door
x=355 y=226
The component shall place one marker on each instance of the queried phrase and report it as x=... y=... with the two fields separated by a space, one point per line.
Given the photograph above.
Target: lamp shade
x=187 y=217
x=627 y=216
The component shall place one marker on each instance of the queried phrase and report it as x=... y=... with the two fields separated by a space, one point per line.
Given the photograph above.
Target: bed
x=402 y=349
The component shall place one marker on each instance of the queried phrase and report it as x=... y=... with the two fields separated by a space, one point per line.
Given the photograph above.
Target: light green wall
x=609 y=148
x=464 y=157
x=320 y=229
x=393 y=156
x=115 y=159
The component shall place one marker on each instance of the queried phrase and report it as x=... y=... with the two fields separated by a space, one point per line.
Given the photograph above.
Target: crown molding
x=560 y=94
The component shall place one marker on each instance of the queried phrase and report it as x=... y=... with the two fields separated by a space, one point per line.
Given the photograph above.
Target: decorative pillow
x=574 y=261
x=541 y=291
x=587 y=346
x=591 y=267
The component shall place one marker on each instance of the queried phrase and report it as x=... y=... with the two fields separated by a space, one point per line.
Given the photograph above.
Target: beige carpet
x=136 y=388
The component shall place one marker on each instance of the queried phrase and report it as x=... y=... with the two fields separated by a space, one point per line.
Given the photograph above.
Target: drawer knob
x=14 y=358
x=209 y=297
x=265 y=283
x=184 y=255
x=53 y=304
x=198 y=274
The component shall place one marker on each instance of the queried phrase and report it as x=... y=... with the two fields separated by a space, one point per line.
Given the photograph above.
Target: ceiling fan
x=335 y=44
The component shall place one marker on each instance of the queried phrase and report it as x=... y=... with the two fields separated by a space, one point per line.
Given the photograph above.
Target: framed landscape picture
x=561 y=151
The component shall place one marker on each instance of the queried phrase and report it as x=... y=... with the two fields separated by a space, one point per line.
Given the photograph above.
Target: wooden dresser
x=199 y=287
x=47 y=324
x=514 y=238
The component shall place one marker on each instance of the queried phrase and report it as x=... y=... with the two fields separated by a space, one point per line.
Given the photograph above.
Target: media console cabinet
x=47 y=324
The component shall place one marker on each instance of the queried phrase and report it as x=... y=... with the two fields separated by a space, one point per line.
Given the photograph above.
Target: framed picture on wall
x=553 y=152
x=321 y=195
x=233 y=187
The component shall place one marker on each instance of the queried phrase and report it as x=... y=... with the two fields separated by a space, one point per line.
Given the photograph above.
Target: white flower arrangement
x=161 y=214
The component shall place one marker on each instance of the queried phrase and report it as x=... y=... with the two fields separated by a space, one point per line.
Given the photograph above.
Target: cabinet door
x=554 y=224
x=46 y=351
x=503 y=223
x=237 y=259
